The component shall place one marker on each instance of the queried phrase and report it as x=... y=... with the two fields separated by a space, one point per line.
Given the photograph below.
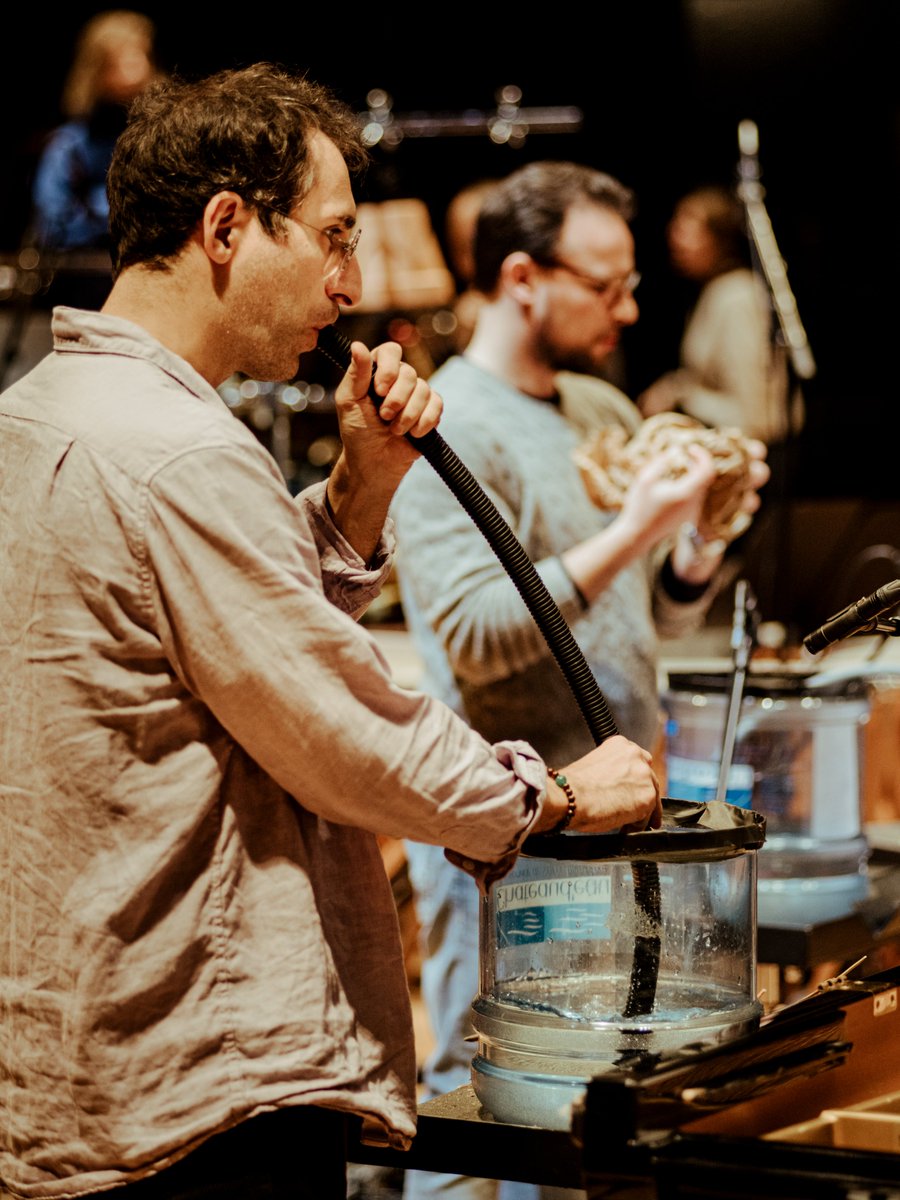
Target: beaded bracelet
x=561 y=782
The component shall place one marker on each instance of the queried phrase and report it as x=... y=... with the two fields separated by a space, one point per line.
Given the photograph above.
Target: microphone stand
x=769 y=266
x=887 y=626
x=767 y=257
x=743 y=636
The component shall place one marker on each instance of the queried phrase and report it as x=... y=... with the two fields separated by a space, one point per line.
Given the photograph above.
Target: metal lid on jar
x=690 y=832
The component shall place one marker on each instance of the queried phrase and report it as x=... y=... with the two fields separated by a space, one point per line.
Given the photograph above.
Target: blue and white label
x=565 y=909
x=698 y=780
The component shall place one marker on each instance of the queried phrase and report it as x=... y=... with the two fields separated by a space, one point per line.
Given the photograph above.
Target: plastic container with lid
x=798 y=760
x=597 y=949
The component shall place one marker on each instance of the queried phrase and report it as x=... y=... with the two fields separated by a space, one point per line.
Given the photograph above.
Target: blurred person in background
x=113 y=63
x=460 y=224
x=732 y=371
x=67 y=234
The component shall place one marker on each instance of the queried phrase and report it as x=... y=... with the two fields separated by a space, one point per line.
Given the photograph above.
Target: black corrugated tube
x=558 y=636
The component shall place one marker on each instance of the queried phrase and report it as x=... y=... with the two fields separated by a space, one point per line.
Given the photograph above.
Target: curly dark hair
x=526 y=212
x=245 y=131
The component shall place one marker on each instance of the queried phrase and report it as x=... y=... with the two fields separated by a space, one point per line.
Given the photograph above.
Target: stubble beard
x=578 y=359
x=267 y=344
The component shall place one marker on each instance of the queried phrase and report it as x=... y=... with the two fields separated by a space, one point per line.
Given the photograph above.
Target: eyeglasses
x=612 y=290
x=340 y=250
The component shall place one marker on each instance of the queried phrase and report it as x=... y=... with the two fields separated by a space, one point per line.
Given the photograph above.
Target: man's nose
x=626 y=310
x=345 y=286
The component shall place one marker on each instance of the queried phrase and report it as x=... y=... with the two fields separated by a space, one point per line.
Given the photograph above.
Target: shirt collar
x=78 y=331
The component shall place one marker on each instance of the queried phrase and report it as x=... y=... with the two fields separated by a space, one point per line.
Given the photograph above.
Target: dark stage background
x=663 y=86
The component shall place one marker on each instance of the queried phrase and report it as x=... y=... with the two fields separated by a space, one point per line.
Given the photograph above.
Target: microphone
x=855 y=618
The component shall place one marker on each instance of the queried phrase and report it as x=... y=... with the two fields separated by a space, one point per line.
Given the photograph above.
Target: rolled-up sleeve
x=348 y=582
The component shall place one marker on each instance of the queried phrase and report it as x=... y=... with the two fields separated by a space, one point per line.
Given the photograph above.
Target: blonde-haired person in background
x=112 y=64
x=68 y=227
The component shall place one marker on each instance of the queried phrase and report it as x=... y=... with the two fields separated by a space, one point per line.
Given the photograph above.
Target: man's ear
x=225 y=217
x=517 y=277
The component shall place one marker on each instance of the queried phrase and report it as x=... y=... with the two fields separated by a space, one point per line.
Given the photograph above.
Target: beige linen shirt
x=197 y=746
